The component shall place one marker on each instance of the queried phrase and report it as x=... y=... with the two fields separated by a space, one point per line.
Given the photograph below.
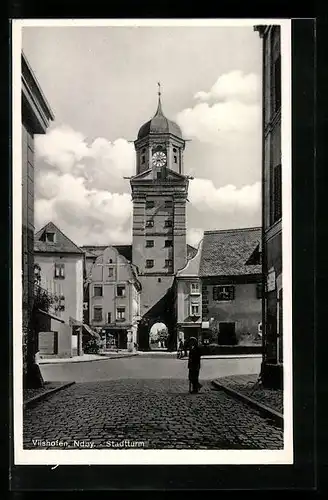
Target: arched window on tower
x=175 y=155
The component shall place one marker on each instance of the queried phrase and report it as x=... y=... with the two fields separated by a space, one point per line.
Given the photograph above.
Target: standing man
x=194 y=365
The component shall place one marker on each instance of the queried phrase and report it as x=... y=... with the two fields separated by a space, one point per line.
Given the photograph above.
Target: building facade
x=36 y=117
x=188 y=299
x=114 y=298
x=272 y=206
x=231 y=277
x=60 y=263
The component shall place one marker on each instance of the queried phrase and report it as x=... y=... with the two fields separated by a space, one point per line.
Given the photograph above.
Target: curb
x=266 y=410
x=233 y=356
x=32 y=401
x=230 y=356
x=103 y=357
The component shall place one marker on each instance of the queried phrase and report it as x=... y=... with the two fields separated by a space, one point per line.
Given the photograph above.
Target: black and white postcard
x=152 y=241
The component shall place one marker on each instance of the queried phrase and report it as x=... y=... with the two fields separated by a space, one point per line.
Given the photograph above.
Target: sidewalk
x=245 y=387
x=88 y=357
x=209 y=356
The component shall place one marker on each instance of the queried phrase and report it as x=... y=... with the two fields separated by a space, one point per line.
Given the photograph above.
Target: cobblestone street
x=146 y=413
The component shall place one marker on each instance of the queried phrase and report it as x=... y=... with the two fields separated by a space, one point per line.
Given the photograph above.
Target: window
x=168 y=243
x=143 y=151
x=158 y=175
x=85 y=306
x=223 y=293
x=60 y=271
x=97 y=314
x=149 y=263
x=110 y=272
x=150 y=204
x=143 y=159
x=50 y=237
x=149 y=243
x=109 y=318
x=120 y=290
x=120 y=313
x=159 y=280
x=277 y=83
x=194 y=288
x=259 y=290
x=175 y=159
x=277 y=202
x=97 y=291
x=149 y=223
x=174 y=150
x=194 y=309
x=168 y=263
x=168 y=223
x=168 y=204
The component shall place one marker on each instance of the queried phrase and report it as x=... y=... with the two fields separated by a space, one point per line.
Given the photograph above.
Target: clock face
x=159 y=159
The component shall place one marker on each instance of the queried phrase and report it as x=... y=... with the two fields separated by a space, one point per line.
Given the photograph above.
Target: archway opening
x=158 y=337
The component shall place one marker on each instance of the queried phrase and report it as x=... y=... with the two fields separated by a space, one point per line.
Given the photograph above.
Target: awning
x=91 y=332
x=74 y=322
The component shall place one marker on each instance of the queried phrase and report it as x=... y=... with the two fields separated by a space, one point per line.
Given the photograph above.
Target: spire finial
x=159 y=107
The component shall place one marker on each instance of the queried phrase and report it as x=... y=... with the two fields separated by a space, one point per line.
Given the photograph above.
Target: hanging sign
x=271 y=280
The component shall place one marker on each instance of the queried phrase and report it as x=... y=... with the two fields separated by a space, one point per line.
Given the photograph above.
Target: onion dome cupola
x=159 y=138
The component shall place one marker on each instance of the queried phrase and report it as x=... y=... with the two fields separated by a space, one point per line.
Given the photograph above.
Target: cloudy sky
x=101 y=83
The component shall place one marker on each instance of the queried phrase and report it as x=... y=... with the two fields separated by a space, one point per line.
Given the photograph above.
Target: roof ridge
x=215 y=231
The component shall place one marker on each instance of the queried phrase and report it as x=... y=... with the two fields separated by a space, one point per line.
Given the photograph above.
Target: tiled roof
x=61 y=244
x=226 y=252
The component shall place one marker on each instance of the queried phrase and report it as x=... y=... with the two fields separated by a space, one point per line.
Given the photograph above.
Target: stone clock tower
x=159 y=194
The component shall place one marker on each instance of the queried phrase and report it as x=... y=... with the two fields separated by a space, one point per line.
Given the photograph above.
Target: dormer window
x=143 y=159
x=50 y=237
x=168 y=223
x=149 y=223
x=175 y=159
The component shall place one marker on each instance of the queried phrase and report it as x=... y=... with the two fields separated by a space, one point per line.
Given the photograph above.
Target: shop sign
x=271 y=280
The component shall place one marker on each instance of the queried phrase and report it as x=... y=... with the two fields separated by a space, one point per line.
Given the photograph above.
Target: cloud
x=194 y=235
x=80 y=186
x=204 y=196
x=229 y=111
x=233 y=86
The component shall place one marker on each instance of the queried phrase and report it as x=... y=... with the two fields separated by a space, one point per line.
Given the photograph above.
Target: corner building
x=159 y=193
x=272 y=166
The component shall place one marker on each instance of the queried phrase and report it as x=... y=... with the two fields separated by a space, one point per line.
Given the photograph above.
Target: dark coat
x=194 y=358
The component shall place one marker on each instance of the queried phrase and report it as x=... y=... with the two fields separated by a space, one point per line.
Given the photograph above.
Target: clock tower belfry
x=159 y=194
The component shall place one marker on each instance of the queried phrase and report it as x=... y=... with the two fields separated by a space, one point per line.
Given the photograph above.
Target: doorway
x=158 y=337
x=227 y=334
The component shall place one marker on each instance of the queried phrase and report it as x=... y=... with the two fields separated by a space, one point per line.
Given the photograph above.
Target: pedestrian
x=180 y=349
x=185 y=348
x=194 y=365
